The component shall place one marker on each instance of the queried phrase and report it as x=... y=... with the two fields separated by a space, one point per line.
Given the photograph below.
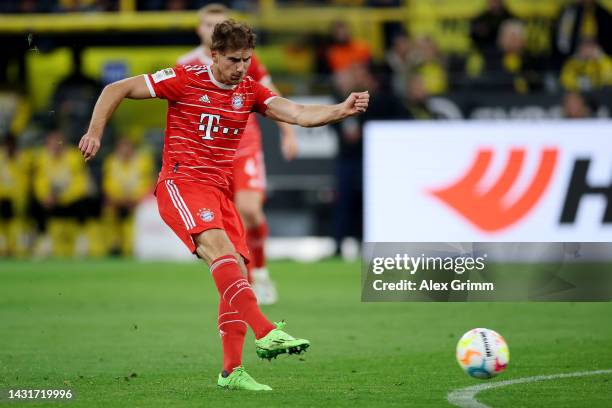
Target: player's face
x=207 y=26
x=232 y=66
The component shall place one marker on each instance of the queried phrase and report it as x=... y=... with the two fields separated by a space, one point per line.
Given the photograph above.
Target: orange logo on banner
x=485 y=209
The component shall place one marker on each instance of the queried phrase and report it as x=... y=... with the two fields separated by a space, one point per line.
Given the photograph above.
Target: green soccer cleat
x=239 y=379
x=278 y=342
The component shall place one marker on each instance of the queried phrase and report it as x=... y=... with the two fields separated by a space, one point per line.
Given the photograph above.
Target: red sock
x=256 y=239
x=235 y=290
x=250 y=272
x=233 y=331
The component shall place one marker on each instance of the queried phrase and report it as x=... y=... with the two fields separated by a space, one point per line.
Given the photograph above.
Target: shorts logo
x=206 y=215
x=237 y=101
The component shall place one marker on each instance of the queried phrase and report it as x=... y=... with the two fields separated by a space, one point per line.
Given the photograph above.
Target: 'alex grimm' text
x=430 y=285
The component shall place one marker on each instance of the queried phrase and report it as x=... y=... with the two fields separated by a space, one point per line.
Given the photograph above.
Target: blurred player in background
x=208 y=110
x=249 y=170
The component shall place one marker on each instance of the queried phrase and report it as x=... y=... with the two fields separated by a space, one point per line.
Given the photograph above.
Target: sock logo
x=241 y=284
x=487 y=210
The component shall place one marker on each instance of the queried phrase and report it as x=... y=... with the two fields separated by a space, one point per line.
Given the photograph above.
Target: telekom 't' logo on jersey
x=207 y=122
x=487 y=210
x=210 y=124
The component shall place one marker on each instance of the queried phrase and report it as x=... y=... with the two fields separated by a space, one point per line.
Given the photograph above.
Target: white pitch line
x=466 y=397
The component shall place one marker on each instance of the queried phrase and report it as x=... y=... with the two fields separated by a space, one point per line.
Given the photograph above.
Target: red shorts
x=250 y=172
x=190 y=208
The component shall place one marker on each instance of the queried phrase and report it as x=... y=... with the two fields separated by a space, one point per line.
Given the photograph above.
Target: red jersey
x=205 y=122
x=251 y=141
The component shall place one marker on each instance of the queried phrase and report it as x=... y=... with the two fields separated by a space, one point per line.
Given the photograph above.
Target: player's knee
x=212 y=245
x=210 y=253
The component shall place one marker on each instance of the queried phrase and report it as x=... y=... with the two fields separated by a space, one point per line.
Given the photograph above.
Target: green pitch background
x=128 y=334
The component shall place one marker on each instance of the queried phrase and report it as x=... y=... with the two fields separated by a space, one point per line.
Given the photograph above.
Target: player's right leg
x=215 y=248
x=234 y=312
x=228 y=272
x=189 y=209
x=200 y=217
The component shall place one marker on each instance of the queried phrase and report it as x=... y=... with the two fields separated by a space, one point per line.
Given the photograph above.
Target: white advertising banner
x=548 y=181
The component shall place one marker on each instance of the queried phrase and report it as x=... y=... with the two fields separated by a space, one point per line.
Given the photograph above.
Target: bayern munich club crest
x=206 y=215
x=237 y=101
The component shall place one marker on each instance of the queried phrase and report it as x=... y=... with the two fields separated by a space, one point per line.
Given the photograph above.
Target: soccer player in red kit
x=249 y=185
x=208 y=108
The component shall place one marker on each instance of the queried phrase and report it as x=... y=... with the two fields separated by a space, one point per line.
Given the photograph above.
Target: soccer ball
x=482 y=353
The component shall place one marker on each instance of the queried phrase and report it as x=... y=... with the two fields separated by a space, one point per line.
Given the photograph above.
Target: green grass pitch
x=129 y=334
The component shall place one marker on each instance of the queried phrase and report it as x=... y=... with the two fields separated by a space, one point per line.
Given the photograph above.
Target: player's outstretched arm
x=109 y=99
x=317 y=115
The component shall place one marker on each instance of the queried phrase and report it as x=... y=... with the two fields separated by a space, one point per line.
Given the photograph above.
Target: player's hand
x=289 y=144
x=356 y=103
x=89 y=146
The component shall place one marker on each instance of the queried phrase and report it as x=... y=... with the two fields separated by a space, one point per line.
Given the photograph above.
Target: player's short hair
x=231 y=35
x=213 y=8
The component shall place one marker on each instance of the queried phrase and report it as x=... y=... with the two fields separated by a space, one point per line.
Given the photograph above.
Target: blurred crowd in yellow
x=49 y=204
x=508 y=52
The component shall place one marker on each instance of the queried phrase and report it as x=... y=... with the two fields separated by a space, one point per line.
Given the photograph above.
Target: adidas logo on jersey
x=204 y=98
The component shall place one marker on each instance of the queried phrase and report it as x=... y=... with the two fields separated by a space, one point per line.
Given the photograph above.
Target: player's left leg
x=232 y=330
